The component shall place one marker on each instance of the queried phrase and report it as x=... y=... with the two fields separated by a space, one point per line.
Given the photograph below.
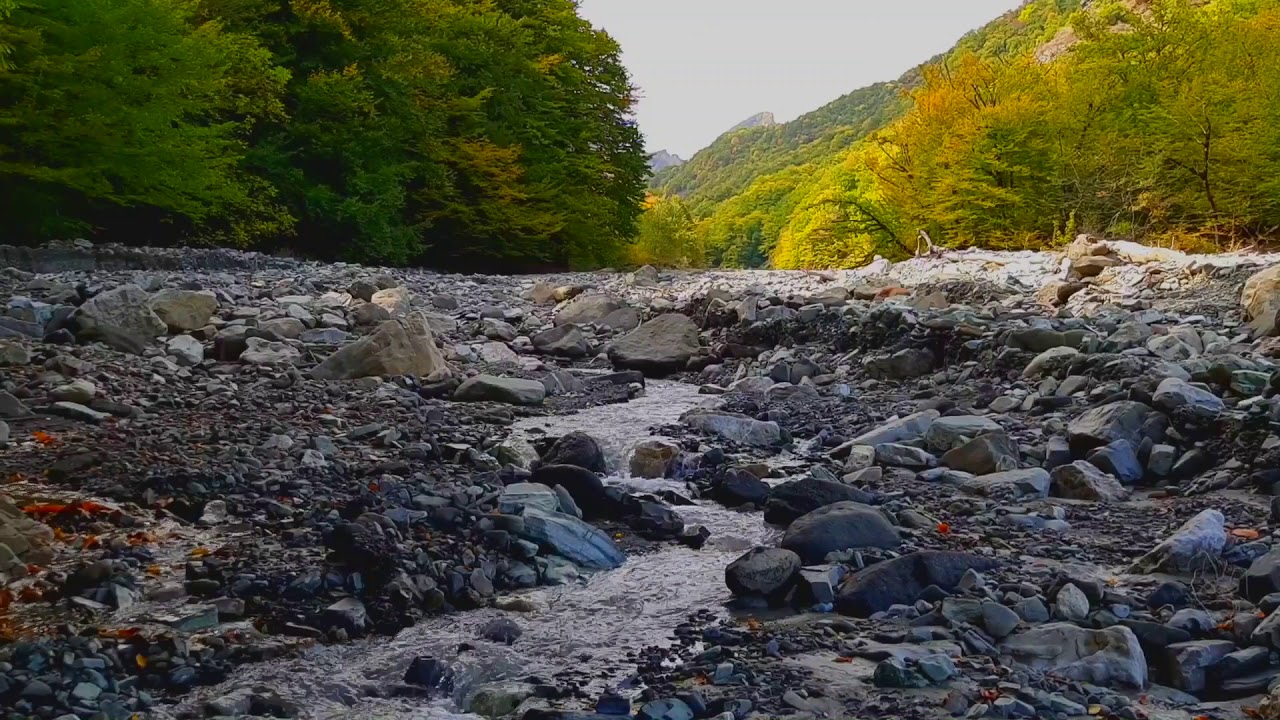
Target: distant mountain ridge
x=662 y=160
x=764 y=119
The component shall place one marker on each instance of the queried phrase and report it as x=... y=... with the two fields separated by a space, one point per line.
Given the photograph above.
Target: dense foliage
x=452 y=132
x=1153 y=119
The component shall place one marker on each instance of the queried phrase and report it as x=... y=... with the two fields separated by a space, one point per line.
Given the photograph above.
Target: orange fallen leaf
x=1251 y=712
x=754 y=625
x=90 y=541
x=44 y=438
x=988 y=694
x=154 y=570
x=34 y=569
x=119 y=633
x=44 y=509
x=30 y=594
x=373 y=487
x=844 y=660
x=141 y=660
x=200 y=552
x=1227 y=625
x=944 y=528
x=60 y=534
x=1246 y=533
x=6 y=598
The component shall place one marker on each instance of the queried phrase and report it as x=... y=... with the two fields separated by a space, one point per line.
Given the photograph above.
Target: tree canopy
x=471 y=134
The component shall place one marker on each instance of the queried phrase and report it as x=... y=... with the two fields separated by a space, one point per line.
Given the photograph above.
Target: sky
x=703 y=66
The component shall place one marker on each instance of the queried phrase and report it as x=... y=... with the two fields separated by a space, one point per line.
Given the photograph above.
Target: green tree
x=131 y=114
x=667 y=236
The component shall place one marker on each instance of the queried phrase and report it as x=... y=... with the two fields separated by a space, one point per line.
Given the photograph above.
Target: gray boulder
x=902 y=429
x=403 y=346
x=1111 y=657
x=515 y=391
x=1024 y=483
x=836 y=527
x=563 y=340
x=121 y=311
x=1195 y=545
x=184 y=310
x=950 y=432
x=761 y=571
x=586 y=309
x=662 y=345
x=1105 y=424
x=1173 y=393
x=900 y=581
x=734 y=427
x=990 y=453
x=1082 y=480
x=572 y=539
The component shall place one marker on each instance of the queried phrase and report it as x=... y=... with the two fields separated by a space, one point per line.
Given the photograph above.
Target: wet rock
x=501 y=389
x=1081 y=480
x=426 y=671
x=1197 y=544
x=562 y=340
x=761 y=571
x=738 y=487
x=348 y=614
x=1189 y=662
x=669 y=709
x=1111 y=657
x=184 y=310
x=902 y=580
x=734 y=427
x=1105 y=424
x=584 y=486
x=1174 y=393
x=498 y=699
x=652 y=458
x=791 y=500
x=576 y=448
x=501 y=630
x=573 y=539
x=518 y=496
x=836 y=527
x=661 y=345
x=1262 y=578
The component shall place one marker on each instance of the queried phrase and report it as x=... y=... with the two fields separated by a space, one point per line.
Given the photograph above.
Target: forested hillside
x=1154 y=119
x=440 y=131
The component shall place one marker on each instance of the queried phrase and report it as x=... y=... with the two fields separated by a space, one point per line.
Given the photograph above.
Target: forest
x=1157 y=120
x=454 y=133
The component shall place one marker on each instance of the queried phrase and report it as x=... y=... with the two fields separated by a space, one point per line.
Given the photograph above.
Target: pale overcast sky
x=705 y=65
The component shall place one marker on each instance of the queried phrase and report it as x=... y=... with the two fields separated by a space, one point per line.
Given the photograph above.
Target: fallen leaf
x=1251 y=712
x=154 y=570
x=141 y=660
x=944 y=529
x=844 y=660
x=34 y=569
x=373 y=487
x=1246 y=533
x=44 y=438
x=90 y=542
x=6 y=598
x=44 y=509
x=30 y=594
x=200 y=552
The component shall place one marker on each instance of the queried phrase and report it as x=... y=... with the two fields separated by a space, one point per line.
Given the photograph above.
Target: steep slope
x=740 y=158
x=662 y=160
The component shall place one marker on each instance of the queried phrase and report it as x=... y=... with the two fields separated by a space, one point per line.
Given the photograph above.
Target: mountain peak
x=663 y=159
x=764 y=119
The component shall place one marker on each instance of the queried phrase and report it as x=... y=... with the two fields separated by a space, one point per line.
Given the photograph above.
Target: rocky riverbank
x=987 y=484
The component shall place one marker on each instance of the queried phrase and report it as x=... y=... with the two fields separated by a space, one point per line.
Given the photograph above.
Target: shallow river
x=582 y=626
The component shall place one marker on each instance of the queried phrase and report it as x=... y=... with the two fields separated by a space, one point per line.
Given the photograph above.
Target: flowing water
x=586 y=627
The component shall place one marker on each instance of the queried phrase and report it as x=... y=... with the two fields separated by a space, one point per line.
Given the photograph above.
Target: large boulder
x=586 y=309
x=123 y=311
x=1025 y=483
x=652 y=458
x=990 y=453
x=1109 y=657
x=584 y=486
x=403 y=346
x=950 y=432
x=394 y=300
x=795 y=498
x=1082 y=480
x=1262 y=578
x=734 y=427
x=762 y=571
x=1261 y=301
x=514 y=391
x=1103 y=425
x=900 y=581
x=662 y=345
x=1174 y=393
x=1196 y=545
x=573 y=539
x=576 y=448
x=563 y=340
x=184 y=310
x=836 y=527
x=736 y=488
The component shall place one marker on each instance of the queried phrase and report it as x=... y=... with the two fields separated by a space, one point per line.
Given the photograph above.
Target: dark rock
x=735 y=488
x=501 y=630
x=426 y=671
x=576 y=448
x=901 y=581
x=1262 y=578
x=761 y=571
x=836 y=527
x=583 y=485
x=790 y=500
